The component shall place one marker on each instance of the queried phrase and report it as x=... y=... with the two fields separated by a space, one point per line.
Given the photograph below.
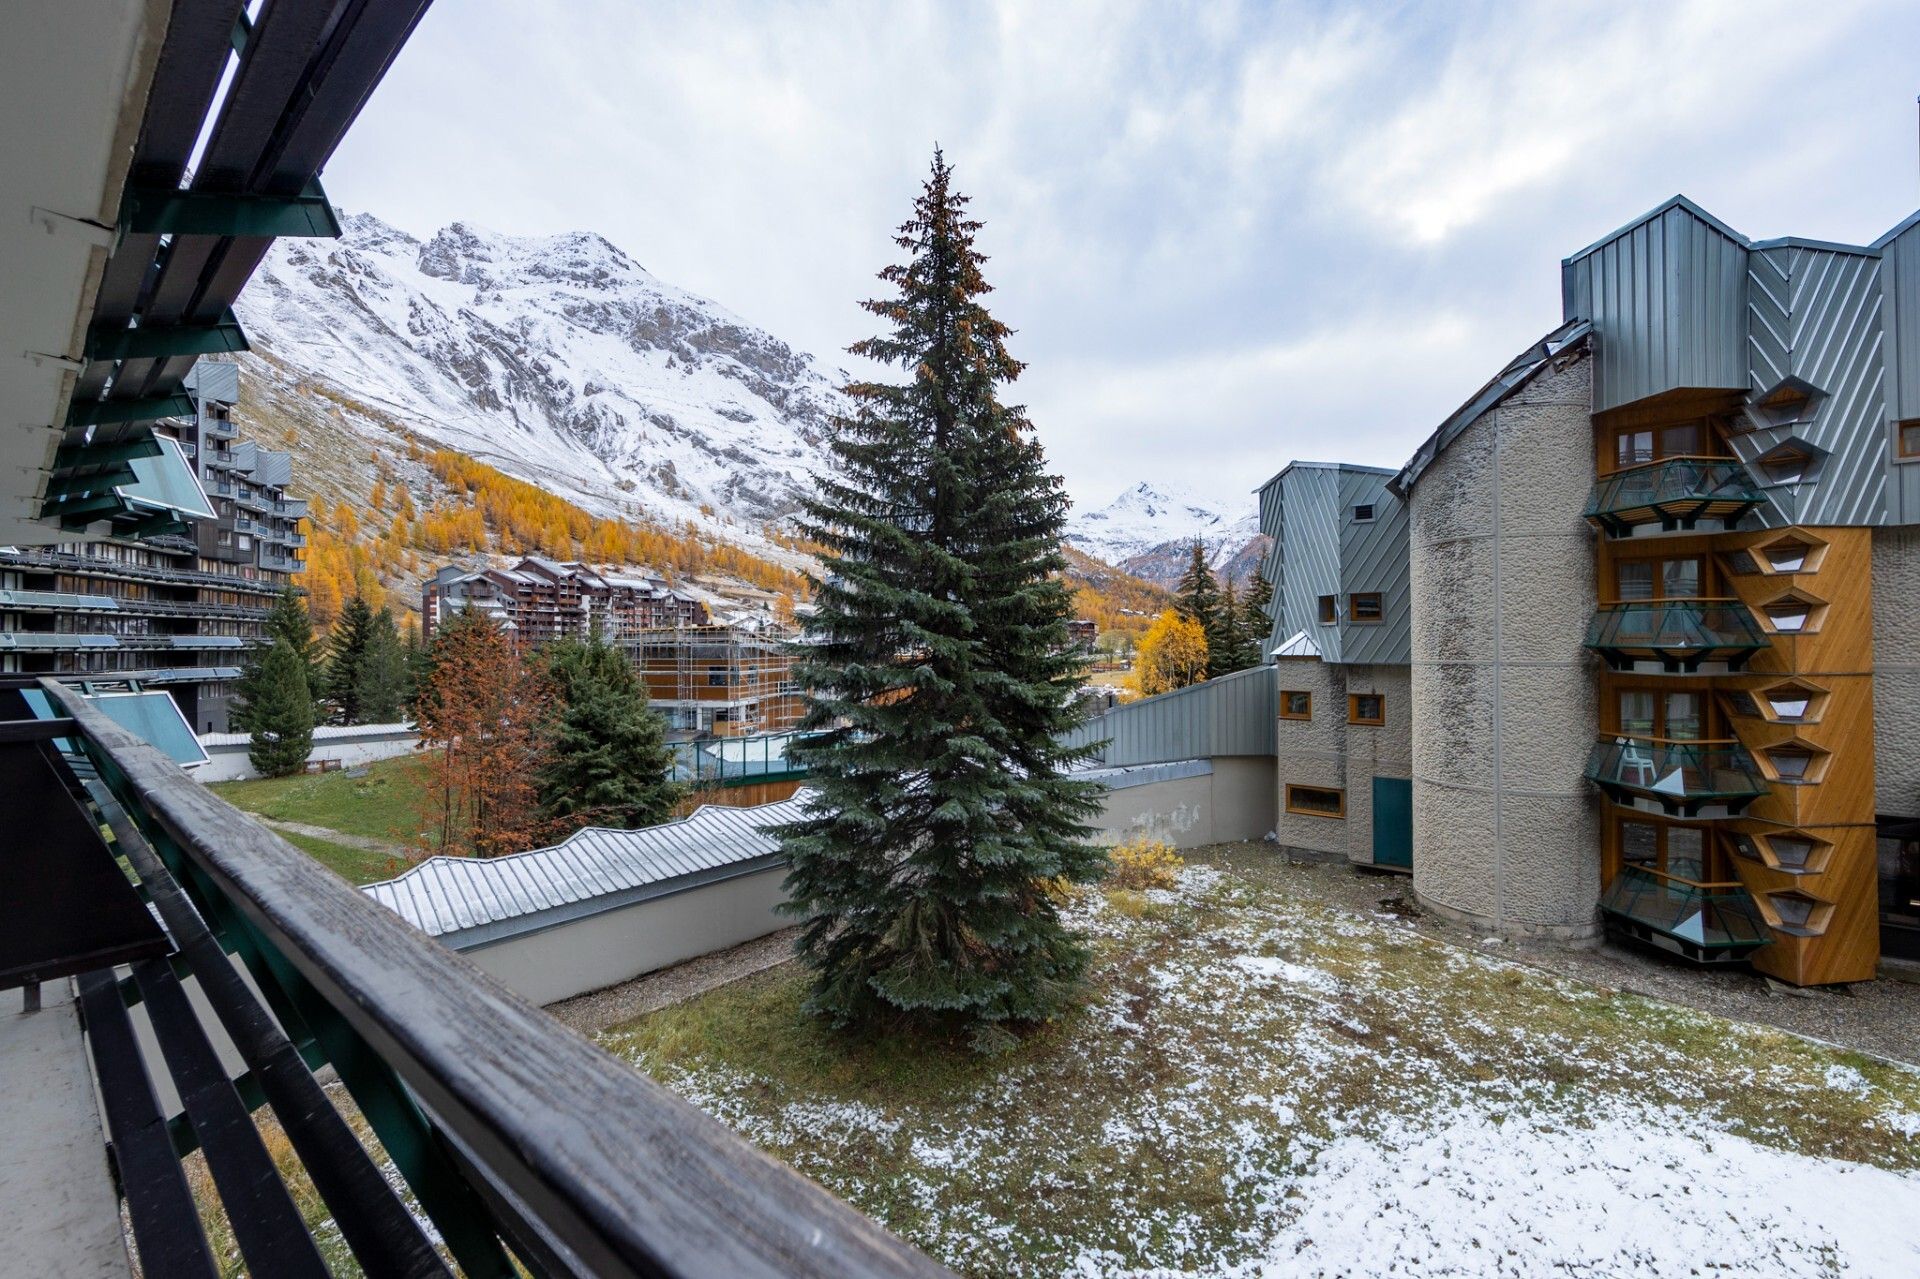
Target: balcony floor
x=63 y=1214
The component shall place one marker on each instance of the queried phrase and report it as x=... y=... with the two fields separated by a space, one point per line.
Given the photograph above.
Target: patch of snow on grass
x=1531 y=1197
x=1298 y=974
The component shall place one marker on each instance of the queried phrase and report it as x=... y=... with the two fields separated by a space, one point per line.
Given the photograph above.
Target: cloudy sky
x=1229 y=235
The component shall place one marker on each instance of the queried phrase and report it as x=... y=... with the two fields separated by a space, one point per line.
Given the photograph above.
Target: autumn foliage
x=1173 y=654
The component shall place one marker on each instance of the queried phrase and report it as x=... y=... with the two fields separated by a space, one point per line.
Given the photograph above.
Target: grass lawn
x=1260 y=1085
x=355 y=865
x=384 y=804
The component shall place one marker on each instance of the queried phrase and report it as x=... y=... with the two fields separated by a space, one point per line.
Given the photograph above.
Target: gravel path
x=597 y=1010
x=1879 y=1017
x=365 y=843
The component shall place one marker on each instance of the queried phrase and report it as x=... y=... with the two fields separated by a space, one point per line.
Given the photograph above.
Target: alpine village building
x=170 y=608
x=1632 y=643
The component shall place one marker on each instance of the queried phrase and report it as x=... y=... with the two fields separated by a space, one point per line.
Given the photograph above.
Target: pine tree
x=1236 y=652
x=346 y=647
x=1197 y=598
x=938 y=677
x=280 y=714
x=383 y=682
x=1254 y=622
x=608 y=763
x=287 y=624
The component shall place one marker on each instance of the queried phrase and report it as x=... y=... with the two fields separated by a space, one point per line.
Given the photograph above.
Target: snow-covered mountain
x=1149 y=531
x=557 y=359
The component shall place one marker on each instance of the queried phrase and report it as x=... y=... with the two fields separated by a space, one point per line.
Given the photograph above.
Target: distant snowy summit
x=558 y=359
x=1149 y=531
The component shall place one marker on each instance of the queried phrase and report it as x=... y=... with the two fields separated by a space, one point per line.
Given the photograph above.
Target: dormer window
x=1792 y=461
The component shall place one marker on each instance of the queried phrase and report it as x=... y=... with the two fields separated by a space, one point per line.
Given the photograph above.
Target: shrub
x=1143 y=863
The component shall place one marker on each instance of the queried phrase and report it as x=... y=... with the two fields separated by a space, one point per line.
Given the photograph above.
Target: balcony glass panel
x=1691 y=628
x=1705 y=916
x=1673 y=492
x=1675 y=771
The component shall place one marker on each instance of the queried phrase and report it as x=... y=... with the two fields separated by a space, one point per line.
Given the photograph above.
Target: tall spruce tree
x=383 y=678
x=1237 y=651
x=1254 y=622
x=1197 y=597
x=346 y=648
x=607 y=761
x=938 y=676
x=280 y=714
x=287 y=623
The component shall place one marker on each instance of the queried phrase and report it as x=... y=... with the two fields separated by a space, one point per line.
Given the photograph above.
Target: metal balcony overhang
x=1705 y=923
x=1678 y=635
x=1693 y=779
x=1672 y=495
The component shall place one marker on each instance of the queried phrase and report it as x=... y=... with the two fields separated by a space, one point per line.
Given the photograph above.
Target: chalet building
x=1633 y=642
x=537 y=600
x=170 y=608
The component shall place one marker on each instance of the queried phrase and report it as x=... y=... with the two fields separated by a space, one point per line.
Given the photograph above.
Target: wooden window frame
x=1285 y=693
x=1379 y=607
x=1901 y=452
x=1355 y=717
x=1317 y=812
x=1329 y=610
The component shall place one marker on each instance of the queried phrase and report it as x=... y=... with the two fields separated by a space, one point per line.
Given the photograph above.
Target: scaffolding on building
x=717 y=681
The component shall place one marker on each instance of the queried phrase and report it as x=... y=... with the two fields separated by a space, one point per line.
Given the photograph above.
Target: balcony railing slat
x=384 y=1236
x=627 y=1177
x=166 y=1226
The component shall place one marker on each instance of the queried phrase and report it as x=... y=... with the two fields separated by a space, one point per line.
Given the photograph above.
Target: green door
x=1393 y=822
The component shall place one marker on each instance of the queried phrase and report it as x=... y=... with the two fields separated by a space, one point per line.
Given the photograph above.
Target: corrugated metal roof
x=1299 y=644
x=323 y=733
x=468 y=901
x=1231 y=715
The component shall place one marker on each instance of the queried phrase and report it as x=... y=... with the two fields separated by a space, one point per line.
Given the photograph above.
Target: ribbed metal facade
x=1679 y=301
x=1667 y=295
x=1320 y=548
x=1232 y=715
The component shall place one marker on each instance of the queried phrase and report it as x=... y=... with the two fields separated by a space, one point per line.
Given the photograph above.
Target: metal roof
x=1518 y=372
x=468 y=901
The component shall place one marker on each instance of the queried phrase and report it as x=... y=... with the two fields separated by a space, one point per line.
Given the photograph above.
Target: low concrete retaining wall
x=605 y=949
x=1191 y=803
x=358 y=744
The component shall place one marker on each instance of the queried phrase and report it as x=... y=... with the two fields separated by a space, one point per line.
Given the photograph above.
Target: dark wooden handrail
x=611 y=1172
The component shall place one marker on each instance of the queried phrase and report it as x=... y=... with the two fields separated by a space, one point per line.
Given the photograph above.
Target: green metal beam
x=145 y=409
x=72 y=459
x=223 y=337
x=170 y=211
x=61 y=487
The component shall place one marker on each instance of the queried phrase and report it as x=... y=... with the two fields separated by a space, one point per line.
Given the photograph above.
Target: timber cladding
x=1818 y=765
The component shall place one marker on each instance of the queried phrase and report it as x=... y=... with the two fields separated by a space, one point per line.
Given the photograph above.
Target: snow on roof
x=1299 y=644
x=466 y=900
x=321 y=733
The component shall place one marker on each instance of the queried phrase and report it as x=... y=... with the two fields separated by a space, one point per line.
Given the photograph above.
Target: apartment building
x=175 y=609
x=538 y=599
x=1658 y=660
x=729 y=680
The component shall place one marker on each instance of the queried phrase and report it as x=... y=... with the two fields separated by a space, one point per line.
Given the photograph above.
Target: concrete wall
x=1233 y=801
x=616 y=945
x=362 y=744
x=1506 y=830
x=1896 y=676
x=1328 y=751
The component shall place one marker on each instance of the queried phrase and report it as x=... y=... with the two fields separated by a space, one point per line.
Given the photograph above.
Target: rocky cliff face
x=557 y=359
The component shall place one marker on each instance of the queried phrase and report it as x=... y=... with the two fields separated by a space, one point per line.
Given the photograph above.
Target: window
x=1666 y=579
x=1636 y=448
x=1363 y=514
x=1784 y=466
x=1906 y=439
x=1316 y=801
x=1366 y=708
x=1364 y=608
x=1295 y=704
x=1329 y=609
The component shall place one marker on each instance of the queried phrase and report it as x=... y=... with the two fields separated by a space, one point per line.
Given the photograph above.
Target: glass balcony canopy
x=1686 y=779
x=1675 y=493
x=1679 y=634
x=1707 y=923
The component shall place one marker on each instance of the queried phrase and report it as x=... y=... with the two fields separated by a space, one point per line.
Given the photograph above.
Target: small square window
x=1366 y=708
x=1316 y=801
x=1907 y=439
x=1295 y=704
x=1363 y=514
x=1329 y=609
x=1364 y=608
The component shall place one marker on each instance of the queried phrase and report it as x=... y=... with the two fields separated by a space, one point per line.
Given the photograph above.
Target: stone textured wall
x=1312 y=753
x=1506 y=830
x=1896 y=671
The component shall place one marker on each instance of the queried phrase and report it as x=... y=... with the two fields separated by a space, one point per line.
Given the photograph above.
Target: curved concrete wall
x=1506 y=831
x=1896 y=673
